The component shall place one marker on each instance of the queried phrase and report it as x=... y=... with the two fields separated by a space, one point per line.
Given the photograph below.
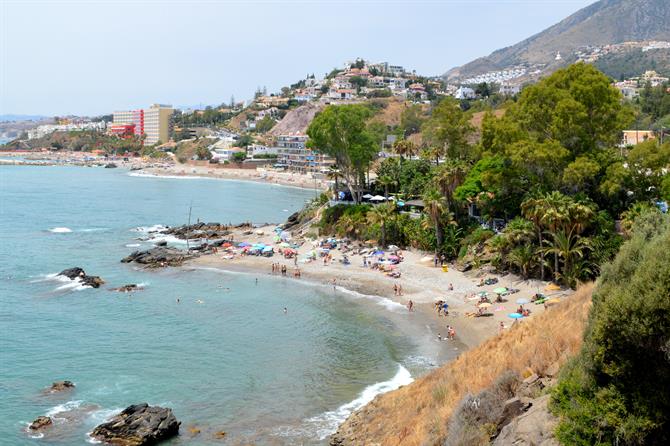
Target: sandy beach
x=421 y=282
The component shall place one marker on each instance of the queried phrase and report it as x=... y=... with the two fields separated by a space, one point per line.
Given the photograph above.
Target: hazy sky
x=93 y=57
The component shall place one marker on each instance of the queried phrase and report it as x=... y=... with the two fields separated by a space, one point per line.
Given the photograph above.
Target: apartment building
x=293 y=154
x=153 y=123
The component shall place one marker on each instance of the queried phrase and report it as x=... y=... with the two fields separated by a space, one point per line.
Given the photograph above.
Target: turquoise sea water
x=234 y=362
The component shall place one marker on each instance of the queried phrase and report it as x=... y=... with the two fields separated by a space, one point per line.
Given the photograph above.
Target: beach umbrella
x=267 y=249
x=367 y=196
x=226 y=245
x=522 y=301
x=500 y=290
x=482 y=293
x=378 y=253
x=377 y=198
x=484 y=305
x=285 y=245
x=400 y=203
x=243 y=244
x=515 y=315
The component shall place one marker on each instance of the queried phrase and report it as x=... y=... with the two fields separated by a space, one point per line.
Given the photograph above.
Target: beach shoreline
x=169 y=169
x=421 y=282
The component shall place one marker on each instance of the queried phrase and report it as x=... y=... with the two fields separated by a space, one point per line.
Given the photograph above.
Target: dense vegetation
x=616 y=391
x=550 y=170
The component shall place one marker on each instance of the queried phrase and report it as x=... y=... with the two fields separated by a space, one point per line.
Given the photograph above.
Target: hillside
x=602 y=23
x=296 y=120
x=417 y=414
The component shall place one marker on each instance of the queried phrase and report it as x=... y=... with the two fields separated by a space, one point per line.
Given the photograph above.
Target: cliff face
x=602 y=23
x=419 y=414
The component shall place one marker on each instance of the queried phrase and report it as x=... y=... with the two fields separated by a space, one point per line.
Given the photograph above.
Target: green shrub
x=616 y=391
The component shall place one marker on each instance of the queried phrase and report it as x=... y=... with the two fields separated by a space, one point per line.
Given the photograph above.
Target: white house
x=257 y=149
x=465 y=93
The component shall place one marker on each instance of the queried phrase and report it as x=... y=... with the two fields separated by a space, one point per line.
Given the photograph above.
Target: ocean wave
x=67 y=283
x=133 y=245
x=60 y=230
x=147 y=229
x=65 y=407
x=387 y=303
x=327 y=423
x=93 y=230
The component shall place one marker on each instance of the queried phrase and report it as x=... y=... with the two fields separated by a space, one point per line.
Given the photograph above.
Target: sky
x=93 y=57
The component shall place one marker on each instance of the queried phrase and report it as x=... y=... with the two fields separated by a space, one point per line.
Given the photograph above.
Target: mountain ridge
x=601 y=23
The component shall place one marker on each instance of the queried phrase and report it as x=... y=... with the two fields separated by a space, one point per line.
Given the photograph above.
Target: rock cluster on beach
x=158 y=257
x=137 y=425
x=201 y=230
x=86 y=280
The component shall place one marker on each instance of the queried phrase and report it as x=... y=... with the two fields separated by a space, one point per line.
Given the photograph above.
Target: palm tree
x=554 y=216
x=571 y=248
x=450 y=176
x=348 y=225
x=385 y=181
x=380 y=215
x=435 y=205
x=405 y=148
x=334 y=174
x=533 y=210
x=523 y=257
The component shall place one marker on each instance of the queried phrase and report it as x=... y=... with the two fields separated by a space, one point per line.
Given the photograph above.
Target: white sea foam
x=326 y=424
x=73 y=285
x=93 y=230
x=383 y=301
x=154 y=228
x=133 y=245
x=60 y=230
x=141 y=174
x=65 y=407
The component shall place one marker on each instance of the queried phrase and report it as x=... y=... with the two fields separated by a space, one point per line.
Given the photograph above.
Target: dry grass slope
x=417 y=415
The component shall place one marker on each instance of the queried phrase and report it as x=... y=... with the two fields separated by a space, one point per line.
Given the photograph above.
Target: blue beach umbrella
x=515 y=315
x=243 y=244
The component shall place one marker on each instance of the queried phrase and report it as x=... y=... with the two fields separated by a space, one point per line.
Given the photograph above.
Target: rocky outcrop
x=201 y=230
x=158 y=257
x=137 y=425
x=533 y=427
x=77 y=273
x=128 y=288
x=110 y=166
x=60 y=386
x=40 y=423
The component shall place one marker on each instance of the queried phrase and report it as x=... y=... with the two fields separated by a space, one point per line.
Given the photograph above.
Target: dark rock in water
x=110 y=166
x=60 y=386
x=137 y=425
x=40 y=423
x=158 y=257
x=161 y=243
x=128 y=288
x=78 y=273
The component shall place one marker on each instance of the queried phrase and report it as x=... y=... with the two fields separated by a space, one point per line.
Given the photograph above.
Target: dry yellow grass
x=417 y=415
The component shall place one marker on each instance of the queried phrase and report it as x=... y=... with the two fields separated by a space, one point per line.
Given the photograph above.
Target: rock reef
x=86 y=280
x=138 y=425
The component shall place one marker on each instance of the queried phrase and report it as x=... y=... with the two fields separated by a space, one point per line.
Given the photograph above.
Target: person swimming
x=285 y=310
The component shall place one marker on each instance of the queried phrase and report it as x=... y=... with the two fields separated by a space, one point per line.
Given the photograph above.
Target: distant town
x=270 y=128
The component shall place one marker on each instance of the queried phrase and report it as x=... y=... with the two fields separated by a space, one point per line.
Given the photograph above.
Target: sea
x=226 y=357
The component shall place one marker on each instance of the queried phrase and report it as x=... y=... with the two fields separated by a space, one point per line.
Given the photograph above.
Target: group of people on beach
x=278 y=268
x=397 y=289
